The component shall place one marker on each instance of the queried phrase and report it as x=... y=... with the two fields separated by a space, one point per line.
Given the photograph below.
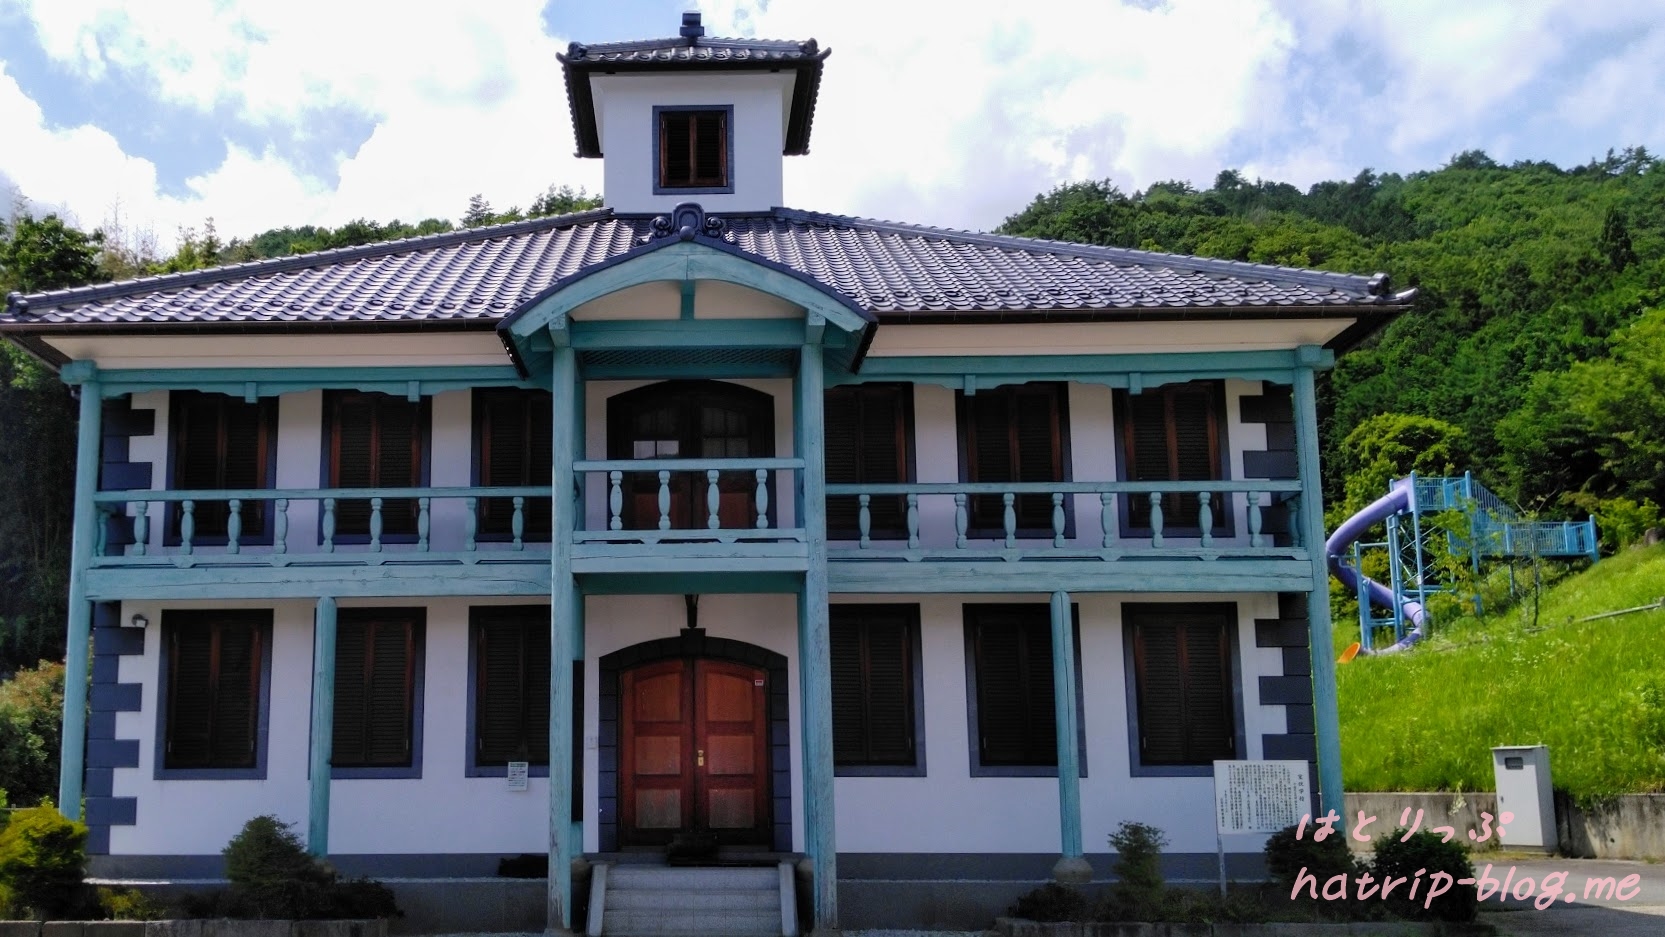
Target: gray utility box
x=1523 y=789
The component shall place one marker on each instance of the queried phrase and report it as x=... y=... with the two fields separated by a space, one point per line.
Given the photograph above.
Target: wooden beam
x=1326 y=716
x=815 y=651
x=72 y=755
x=323 y=728
x=563 y=625
x=1271 y=575
x=1072 y=867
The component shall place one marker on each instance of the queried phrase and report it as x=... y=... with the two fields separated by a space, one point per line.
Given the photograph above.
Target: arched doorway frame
x=692 y=643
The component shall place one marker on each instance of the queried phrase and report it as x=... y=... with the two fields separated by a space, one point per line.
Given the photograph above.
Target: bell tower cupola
x=692 y=118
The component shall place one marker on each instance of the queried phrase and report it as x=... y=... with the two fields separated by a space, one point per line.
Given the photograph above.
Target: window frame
x=909 y=620
x=1228 y=611
x=965 y=432
x=1226 y=526
x=657 y=166
x=905 y=448
x=416 y=618
x=260 y=619
x=480 y=398
x=268 y=440
x=970 y=613
x=328 y=467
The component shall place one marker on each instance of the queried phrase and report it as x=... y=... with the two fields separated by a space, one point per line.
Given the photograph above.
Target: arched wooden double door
x=694 y=752
x=690 y=420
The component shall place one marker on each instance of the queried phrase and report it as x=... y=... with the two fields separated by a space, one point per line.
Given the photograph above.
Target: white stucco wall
x=949 y=811
x=624 y=121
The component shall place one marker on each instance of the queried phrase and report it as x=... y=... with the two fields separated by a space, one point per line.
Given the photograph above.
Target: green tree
x=31 y=715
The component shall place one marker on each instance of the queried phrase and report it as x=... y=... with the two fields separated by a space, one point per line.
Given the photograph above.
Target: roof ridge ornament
x=691 y=28
x=685 y=221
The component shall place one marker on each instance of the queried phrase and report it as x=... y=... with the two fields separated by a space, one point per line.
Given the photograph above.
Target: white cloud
x=949 y=113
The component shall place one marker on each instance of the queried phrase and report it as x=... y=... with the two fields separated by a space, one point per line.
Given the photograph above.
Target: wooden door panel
x=731 y=731
x=655 y=752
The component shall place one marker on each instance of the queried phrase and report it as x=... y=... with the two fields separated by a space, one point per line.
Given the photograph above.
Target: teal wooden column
x=815 y=647
x=1072 y=867
x=72 y=759
x=1326 y=718
x=563 y=625
x=323 y=728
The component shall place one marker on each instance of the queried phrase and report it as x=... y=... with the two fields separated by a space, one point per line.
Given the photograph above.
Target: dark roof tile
x=881 y=266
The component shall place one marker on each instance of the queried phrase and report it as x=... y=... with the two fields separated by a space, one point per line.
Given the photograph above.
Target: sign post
x=1257 y=797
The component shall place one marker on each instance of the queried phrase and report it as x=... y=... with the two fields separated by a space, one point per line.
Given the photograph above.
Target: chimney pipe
x=691 y=28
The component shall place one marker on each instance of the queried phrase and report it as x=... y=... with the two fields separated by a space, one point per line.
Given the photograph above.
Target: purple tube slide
x=1340 y=542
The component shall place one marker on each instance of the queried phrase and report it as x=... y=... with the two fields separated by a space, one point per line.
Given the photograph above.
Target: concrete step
x=679 y=899
x=627 y=877
x=730 y=923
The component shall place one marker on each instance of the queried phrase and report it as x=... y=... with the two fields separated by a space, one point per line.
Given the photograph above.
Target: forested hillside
x=1535 y=354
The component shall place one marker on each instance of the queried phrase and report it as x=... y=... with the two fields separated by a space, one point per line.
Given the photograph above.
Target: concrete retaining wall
x=1017 y=927
x=1628 y=827
x=193 y=928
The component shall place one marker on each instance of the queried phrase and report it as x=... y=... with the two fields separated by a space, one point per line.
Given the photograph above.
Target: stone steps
x=660 y=901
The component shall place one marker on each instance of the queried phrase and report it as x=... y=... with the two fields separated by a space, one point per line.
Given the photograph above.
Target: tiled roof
x=693 y=51
x=892 y=270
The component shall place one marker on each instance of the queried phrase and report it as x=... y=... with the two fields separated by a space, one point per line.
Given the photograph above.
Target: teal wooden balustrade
x=1193 y=532
x=703 y=479
x=281 y=547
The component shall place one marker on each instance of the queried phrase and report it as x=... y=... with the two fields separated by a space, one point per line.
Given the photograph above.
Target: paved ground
x=1643 y=913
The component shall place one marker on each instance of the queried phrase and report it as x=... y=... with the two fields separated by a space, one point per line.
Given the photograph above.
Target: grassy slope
x=1594 y=693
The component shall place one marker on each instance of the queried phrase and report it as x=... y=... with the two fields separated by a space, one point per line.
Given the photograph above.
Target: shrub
x=272 y=876
x=1051 y=902
x=1287 y=857
x=1139 y=893
x=1422 y=856
x=270 y=869
x=31 y=716
x=42 y=855
x=129 y=904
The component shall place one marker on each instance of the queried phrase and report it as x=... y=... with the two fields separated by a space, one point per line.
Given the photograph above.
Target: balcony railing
x=1214 y=518
x=663 y=503
x=312 y=524
x=672 y=500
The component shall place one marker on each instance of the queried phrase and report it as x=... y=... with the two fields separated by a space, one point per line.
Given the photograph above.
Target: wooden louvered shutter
x=990 y=452
x=1161 y=693
x=236 y=695
x=540 y=458
x=1017 y=724
x=1172 y=434
x=1182 y=665
x=884 y=456
x=710 y=147
x=872 y=683
x=842 y=431
x=388 y=690
x=197 y=460
x=675 y=151
x=1147 y=450
x=1196 y=455
x=353 y=444
x=1039 y=446
x=502 y=455
x=351 y=703
x=399 y=460
x=190 y=696
x=512 y=686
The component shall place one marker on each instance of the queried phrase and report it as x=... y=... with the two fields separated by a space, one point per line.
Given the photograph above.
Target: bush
x=42 y=855
x=31 y=718
x=1421 y=857
x=128 y=904
x=1051 y=902
x=1287 y=857
x=1139 y=893
x=272 y=876
x=270 y=870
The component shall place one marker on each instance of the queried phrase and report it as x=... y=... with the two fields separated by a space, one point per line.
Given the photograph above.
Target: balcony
x=720 y=517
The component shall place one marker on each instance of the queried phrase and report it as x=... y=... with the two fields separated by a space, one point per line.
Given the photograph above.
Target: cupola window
x=694 y=144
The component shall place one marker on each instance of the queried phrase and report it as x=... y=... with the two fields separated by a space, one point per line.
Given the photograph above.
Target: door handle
x=701 y=755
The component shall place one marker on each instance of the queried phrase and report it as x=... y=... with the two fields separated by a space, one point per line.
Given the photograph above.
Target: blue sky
x=259 y=114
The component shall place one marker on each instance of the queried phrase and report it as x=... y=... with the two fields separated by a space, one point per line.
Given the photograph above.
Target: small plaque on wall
x=517 y=775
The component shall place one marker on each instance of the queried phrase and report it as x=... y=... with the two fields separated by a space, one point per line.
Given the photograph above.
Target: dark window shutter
x=512 y=686
x=866 y=432
x=375 y=442
x=516 y=433
x=190 y=696
x=1039 y=450
x=1172 y=434
x=1016 y=435
x=1016 y=718
x=236 y=695
x=873 y=684
x=351 y=699
x=710 y=146
x=675 y=156
x=842 y=432
x=1182 y=668
x=220 y=443
x=353 y=430
x=990 y=449
x=389 y=691
x=399 y=460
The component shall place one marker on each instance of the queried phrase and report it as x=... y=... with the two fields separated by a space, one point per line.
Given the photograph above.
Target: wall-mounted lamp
x=139 y=620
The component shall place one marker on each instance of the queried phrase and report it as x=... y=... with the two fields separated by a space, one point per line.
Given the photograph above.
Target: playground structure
x=1489 y=530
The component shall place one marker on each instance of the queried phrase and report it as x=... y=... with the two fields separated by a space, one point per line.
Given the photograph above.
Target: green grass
x=1426 y=720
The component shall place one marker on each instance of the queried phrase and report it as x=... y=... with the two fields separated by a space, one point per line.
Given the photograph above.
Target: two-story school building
x=917 y=559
